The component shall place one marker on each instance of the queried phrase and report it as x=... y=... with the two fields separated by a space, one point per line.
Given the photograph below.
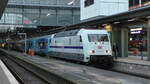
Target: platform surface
x=135 y=60
x=5 y=76
x=96 y=75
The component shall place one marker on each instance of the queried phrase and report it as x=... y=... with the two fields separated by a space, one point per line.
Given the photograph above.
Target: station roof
x=3 y=4
x=135 y=15
x=140 y=14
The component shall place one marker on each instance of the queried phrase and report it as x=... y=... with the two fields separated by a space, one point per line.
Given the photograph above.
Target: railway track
x=45 y=63
x=105 y=68
x=130 y=73
x=31 y=73
x=22 y=74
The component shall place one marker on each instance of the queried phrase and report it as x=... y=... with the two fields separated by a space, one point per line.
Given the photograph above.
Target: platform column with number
x=148 y=40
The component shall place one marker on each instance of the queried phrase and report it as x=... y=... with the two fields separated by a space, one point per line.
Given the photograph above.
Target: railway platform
x=133 y=65
x=135 y=59
x=75 y=73
x=5 y=75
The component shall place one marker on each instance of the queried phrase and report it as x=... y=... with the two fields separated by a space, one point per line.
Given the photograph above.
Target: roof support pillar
x=120 y=38
x=116 y=38
x=124 y=42
x=148 y=39
x=3 y=4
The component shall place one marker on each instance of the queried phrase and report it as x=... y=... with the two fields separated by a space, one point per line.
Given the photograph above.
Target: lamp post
x=140 y=3
x=25 y=34
x=8 y=38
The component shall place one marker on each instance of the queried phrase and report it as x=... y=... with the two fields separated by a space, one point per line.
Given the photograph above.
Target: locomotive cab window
x=98 y=37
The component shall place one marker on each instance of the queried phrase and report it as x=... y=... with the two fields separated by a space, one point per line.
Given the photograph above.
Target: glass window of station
x=138 y=3
x=88 y=2
x=137 y=36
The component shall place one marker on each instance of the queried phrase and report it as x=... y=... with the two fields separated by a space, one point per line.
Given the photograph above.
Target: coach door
x=80 y=48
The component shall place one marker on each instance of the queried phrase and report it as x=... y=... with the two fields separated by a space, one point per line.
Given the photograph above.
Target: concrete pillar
x=148 y=40
x=116 y=38
x=124 y=42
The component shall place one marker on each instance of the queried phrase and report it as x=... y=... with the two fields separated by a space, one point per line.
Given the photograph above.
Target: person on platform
x=141 y=49
x=115 y=50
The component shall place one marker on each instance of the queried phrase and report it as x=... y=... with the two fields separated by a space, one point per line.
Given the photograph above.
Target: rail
x=50 y=76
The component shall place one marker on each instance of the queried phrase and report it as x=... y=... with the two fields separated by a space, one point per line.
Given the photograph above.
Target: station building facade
x=92 y=9
x=35 y=13
x=133 y=4
x=138 y=36
x=101 y=8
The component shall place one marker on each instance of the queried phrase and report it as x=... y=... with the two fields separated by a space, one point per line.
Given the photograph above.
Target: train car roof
x=40 y=37
x=74 y=32
x=67 y=33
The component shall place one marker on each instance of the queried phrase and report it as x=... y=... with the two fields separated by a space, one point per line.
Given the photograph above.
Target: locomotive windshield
x=98 y=37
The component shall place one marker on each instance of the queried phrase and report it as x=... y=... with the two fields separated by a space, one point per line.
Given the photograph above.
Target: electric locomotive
x=85 y=45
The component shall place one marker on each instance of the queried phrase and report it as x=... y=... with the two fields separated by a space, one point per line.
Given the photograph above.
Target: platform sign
x=136 y=31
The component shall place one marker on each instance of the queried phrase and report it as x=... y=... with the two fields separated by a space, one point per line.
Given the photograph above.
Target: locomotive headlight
x=92 y=51
x=108 y=51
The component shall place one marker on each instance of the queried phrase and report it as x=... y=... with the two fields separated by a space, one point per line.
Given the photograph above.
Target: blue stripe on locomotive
x=67 y=47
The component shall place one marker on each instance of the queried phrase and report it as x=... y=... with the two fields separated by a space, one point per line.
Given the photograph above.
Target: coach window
x=30 y=44
x=45 y=44
x=42 y=44
x=37 y=44
x=50 y=40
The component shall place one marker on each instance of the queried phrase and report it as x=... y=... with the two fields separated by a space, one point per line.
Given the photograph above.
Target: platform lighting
x=135 y=32
x=148 y=3
x=35 y=21
x=71 y=3
x=148 y=17
x=116 y=22
x=130 y=20
x=19 y=16
x=48 y=14
x=136 y=29
x=104 y=24
x=131 y=39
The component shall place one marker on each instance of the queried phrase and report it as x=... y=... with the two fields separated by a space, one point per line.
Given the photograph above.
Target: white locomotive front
x=96 y=44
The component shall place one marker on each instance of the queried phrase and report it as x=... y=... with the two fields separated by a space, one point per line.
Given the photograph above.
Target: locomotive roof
x=67 y=33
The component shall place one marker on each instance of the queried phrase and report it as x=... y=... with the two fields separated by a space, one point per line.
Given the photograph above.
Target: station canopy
x=3 y=4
